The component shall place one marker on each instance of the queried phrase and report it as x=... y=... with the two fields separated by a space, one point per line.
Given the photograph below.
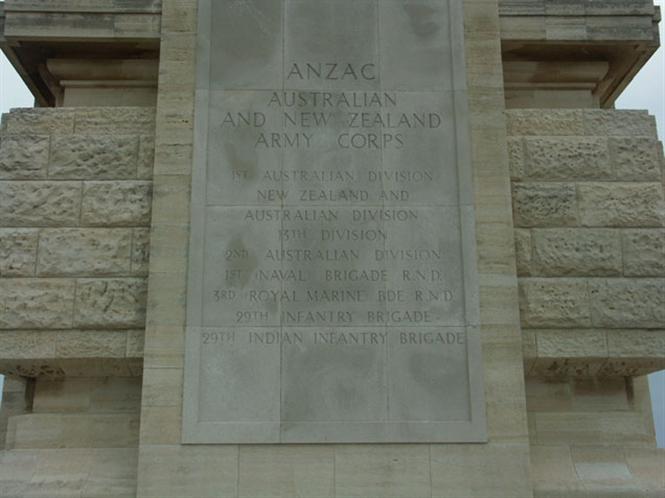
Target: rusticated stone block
x=523 y=252
x=571 y=343
x=92 y=344
x=621 y=204
x=516 y=159
x=644 y=253
x=628 y=303
x=84 y=252
x=637 y=159
x=18 y=252
x=636 y=343
x=554 y=302
x=116 y=203
x=115 y=120
x=568 y=158
x=23 y=156
x=111 y=303
x=36 y=304
x=544 y=204
x=561 y=252
x=57 y=121
x=619 y=123
x=146 y=160
x=553 y=122
x=94 y=157
x=40 y=204
x=141 y=251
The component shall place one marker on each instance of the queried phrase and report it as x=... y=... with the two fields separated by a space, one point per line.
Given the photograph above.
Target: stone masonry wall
x=75 y=200
x=590 y=236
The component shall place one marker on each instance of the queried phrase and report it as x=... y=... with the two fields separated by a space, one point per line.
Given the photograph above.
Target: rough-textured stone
x=39 y=204
x=140 y=251
x=94 y=157
x=567 y=158
x=554 y=303
x=636 y=343
x=619 y=123
x=523 y=252
x=626 y=303
x=92 y=344
x=58 y=121
x=23 y=156
x=553 y=122
x=621 y=204
x=36 y=304
x=115 y=120
x=111 y=303
x=84 y=252
x=637 y=159
x=18 y=252
x=562 y=252
x=544 y=204
x=644 y=253
x=116 y=203
x=516 y=158
x=146 y=159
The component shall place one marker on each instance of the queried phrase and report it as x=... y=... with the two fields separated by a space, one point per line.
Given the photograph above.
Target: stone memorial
x=333 y=294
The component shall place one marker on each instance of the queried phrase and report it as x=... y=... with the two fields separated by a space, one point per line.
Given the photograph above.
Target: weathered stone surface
x=544 y=204
x=94 y=157
x=637 y=159
x=84 y=252
x=636 y=343
x=571 y=343
x=39 y=204
x=562 y=252
x=92 y=344
x=23 y=156
x=58 y=121
x=36 y=304
x=18 y=252
x=554 y=302
x=27 y=344
x=116 y=203
x=146 y=159
x=644 y=253
x=621 y=204
x=516 y=158
x=568 y=158
x=140 y=251
x=115 y=120
x=619 y=123
x=553 y=122
x=523 y=252
x=111 y=303
x=628 y=303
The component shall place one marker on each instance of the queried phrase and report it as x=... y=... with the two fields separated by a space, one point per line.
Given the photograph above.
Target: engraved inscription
x=332 y=290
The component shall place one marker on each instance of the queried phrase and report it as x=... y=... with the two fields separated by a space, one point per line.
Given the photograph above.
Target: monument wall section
x=168 y=468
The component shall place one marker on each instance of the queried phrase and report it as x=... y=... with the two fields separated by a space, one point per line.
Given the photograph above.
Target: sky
x=647 y=91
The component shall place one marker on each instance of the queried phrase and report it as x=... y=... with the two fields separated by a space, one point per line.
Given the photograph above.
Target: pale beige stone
x=637 y=159
x=644 y=252
x=544 y=204
x=553 y=122
x=40 y=204
x=112 y=303
x=523 y=252
x=619 y=123
x=564 y=252
x=290 y=471
x=622 y=303
x=178 y=471
x=84 y=252
x=23 y=156
x=140 y=251
x=92 y=344
x=146 y=159
x=94 y=157
x=516 y=158
x=554 y=302
x=28 y=303
x=386 y=471
x=58 y=121
x=116 y=203
x=621 y=204
x=566 y=158
x=162 y=387
x=18 y=252
x=487 y=471
x=115 y=120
